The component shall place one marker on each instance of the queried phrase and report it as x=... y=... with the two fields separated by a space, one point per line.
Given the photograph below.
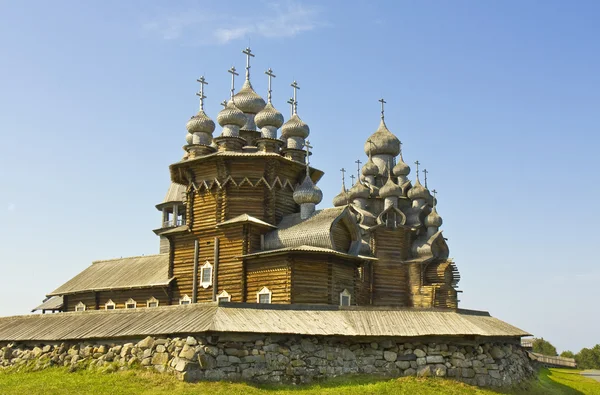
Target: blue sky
x=498 y=100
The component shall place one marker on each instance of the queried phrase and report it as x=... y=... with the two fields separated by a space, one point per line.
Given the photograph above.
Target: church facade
x=239 y=224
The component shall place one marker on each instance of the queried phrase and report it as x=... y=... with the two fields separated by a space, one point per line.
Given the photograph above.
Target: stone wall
x=285 y=359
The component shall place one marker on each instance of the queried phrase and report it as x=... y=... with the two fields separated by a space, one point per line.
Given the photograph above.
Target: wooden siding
x=342 y=238
x=270 y=272
x=390 y=277
x=311 y=280
x=343 y=276
x=97 y=300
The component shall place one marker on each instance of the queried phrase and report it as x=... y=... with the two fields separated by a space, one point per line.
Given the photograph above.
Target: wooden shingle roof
x=253 y=318
x=51 y=303
x=122 y=273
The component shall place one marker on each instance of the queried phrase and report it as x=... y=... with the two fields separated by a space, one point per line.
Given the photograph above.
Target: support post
x=215 y=270
x=195 y=277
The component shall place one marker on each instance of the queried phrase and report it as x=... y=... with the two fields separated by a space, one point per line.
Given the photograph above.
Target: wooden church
x=240 y=224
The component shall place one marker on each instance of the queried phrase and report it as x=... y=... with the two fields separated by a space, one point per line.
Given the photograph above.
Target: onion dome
x=200 y=123
x=390 y=188
x=269 y=116
x=401 y=169
x=308 y=192
x=247 y=100
x=341 y=199
x=295 y=127
x=231 y=115
x=433 y=219
x=418 y=191
x=358 y=191
x=383 y=142
x=370 y=169
x=189 y=139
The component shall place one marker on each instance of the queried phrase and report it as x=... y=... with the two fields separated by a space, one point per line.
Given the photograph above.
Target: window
x=345 y=298
x=130 y=304
x=263 y=296
x=185 y=300
x=152 y=302
x=206 y=275
x=223 y=297
x=110 y=305
x=80 y=307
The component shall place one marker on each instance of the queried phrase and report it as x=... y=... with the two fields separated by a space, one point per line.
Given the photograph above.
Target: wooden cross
x=291 y=103
x=352 y=177
x=382 y=107
x=358 y=163
x=271 y=75
x=417 y=163
x=233 y=74
x=434 y=197
x=343 y=177
x=400 y=147
x=202 y=82
x=224 y=103
x=425 y=173
x=249 y=54
x=296 y=87
x=308 y=147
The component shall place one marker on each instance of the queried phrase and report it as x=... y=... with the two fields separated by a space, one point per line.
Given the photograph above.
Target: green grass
x=61 y=381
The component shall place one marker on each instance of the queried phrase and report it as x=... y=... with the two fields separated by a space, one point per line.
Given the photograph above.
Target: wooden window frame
x=264 y=291
x=152 y=300
x=207 y=266
x=223 y=295
x=131 y=301
x=185 y=298
x=345 y=293
x=80 y=307
x=110 y=303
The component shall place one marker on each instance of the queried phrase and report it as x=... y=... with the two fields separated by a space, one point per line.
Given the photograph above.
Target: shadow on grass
x=342 y=381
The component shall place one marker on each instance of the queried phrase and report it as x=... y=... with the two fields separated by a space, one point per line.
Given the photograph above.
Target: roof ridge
x=127 y=257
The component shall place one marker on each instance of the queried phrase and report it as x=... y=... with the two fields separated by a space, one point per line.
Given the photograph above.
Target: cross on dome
x=296 y=87
x=434 y=197
x=358 y=163
x=291 y=103
x=224 y=103
x=417 y=163
x=352 y=177
x=249 y=54
x=308 y=147
x=425 y=174
x=202 y=82
x=233 y=74
x=271 y=75
x=382 y=107
x=343 y=171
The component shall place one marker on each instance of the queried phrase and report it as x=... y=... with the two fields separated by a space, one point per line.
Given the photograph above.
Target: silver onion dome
x=390 y=188
x=231 y=115
x=401 y=168
x=341 y=199
x=200 y=123
x=418 y=191
x=382 y=142
x=370 y=169
x=189 y=138
x=308 y=192
x=269 y=116
x=247 y=100
x=433 y=219
x=295 y=127
x=358 y=191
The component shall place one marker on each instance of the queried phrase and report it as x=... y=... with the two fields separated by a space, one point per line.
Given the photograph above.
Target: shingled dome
x=390 y=189
x=433 y=219
x=308 y=192
x=269 y=116
x=231 y=115
x=247 y=100
x=382 y=142
x=200 y=123
x=295 y=127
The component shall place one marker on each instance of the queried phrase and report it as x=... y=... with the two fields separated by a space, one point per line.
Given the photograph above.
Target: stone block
x=147 y=342
x=421 y=361
x=211 y=350
x=424 y=371
x=390 y=356
x=435 y=359
x=403 y=364
x=440 y=370
x=386 y=343
x=160 y=358
x=187 y=352
x=207 y=361
x=419 y=353
x=468 y=373
x=497 y=353
x=191 y=341
x=407 y=357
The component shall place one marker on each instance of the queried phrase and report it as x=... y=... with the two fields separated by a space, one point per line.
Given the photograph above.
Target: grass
x=61 y=381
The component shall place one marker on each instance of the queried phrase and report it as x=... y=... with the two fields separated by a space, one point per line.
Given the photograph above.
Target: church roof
x=246 y=219
x=122 y=273
x=51 y=303
x=314 y=231
x=309 y=250
x=251 y=318
x=176 y=193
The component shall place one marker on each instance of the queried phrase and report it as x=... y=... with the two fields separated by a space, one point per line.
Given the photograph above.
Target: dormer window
x=206 y=275
x=130 y=304
x=185 y=300
x=80 y=307
x=152 y=302
x=264 y=296
x=345 y=298
x=110 y=305
x=223 y=297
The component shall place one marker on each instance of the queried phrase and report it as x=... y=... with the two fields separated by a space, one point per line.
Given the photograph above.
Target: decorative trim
x=152 y=300
x=264 y=291
x=206 y=282
x=185 y=300
x=345 y=294
x=80 y=307
x=224 y=295
x=131 y=304
x=110 y=305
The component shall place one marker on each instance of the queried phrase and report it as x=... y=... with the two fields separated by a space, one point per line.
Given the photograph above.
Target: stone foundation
x=286 y=359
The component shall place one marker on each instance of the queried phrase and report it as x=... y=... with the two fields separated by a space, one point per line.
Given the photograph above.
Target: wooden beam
x=215 y=270
x=195 y=276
